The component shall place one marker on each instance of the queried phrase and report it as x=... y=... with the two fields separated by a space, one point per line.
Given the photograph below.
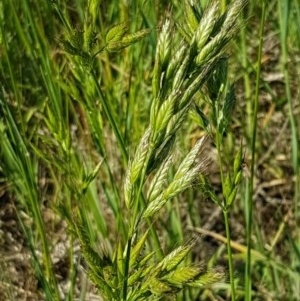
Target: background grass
x=67 y=136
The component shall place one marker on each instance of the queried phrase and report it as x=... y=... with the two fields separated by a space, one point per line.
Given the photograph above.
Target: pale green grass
x=113 y=133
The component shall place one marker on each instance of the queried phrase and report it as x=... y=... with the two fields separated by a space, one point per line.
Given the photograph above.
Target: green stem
x=219 y=142
x=247 y=83
x=227 y=227
x=126 y=269
x=284 y=13
x=62 y=16
x=111 y=120
x=225 y=214
x=249 y=213
x=224 y=205
x=229 y=253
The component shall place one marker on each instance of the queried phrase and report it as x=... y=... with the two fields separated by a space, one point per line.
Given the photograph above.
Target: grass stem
x=284 y=12
x=229 y=253
x=111 y=119
x=248 y=283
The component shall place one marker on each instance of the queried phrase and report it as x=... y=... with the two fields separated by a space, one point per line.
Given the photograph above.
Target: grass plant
x=125 y=142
